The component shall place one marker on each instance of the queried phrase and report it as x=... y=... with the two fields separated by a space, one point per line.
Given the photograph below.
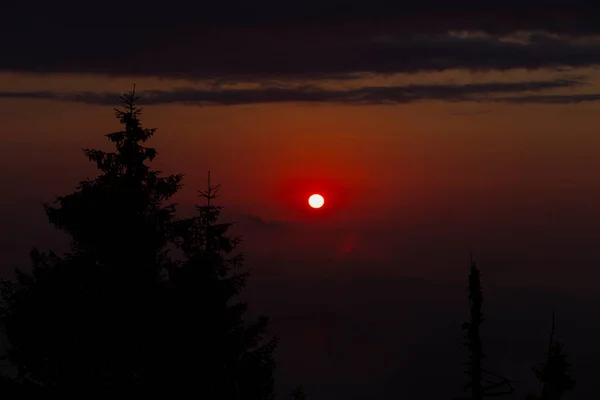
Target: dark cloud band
x=308 y=40
x=308 y=94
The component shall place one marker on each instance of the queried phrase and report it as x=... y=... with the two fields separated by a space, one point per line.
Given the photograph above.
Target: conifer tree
x=118 y=219
x=553 y=374
x=215 y=348
x=481 y=382
x=82 y=321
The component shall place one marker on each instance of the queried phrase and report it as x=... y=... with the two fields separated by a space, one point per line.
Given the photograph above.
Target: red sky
x=495 y=179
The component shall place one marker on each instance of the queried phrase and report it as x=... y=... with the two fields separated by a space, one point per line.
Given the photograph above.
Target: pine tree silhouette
x=83 y=321
x=482 y=383
x=553 y=374
x=211 y=344
x=118 y=219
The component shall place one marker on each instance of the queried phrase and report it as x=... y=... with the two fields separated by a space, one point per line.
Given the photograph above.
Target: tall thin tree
x=481 y=382
x=554 y=373
x=206 y=322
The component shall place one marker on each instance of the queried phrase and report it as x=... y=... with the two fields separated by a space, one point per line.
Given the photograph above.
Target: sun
x=316 y=201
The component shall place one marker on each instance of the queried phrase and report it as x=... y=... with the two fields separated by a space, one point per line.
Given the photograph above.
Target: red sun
x=316 y=201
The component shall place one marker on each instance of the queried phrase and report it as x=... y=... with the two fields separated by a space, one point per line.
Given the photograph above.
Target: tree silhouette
x=553 y=374
x=118 y=219
x=84 y=321
x=481 y=382
x=211 y=344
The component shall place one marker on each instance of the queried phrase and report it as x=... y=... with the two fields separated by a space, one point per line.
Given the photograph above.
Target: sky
x=433 y=129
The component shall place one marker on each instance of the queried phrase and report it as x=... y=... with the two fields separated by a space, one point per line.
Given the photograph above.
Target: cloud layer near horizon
x=478 y=92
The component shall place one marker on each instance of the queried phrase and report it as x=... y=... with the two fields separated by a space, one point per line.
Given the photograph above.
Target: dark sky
x=432 y=128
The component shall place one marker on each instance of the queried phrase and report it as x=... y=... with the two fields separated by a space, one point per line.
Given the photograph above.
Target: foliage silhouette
x=481 y=382
x=553 y=374
x=205 y=324
x=83 y=320
x=116 y=312
x=118 y=219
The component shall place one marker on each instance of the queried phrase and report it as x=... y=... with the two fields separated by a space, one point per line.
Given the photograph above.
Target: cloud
x=551 y=99
x=311 y=94
x=257 y=224
x=325 y=39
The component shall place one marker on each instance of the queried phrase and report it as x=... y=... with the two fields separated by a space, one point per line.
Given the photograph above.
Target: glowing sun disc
x=316 y=201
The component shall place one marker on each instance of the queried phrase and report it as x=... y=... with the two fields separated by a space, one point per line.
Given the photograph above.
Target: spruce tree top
x=118 y=217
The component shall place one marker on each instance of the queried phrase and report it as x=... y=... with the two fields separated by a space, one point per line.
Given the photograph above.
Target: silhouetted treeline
x=117 y=312
x=553 y=374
